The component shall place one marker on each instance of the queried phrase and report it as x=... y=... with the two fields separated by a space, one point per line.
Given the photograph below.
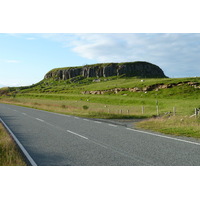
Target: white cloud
x=15 y=82
x=12 y=61
x=30 y=38
x=174 y=53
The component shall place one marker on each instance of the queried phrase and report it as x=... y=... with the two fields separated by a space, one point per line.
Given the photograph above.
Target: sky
x=26 y=57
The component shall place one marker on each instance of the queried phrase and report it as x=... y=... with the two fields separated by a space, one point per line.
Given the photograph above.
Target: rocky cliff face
x=131 y=69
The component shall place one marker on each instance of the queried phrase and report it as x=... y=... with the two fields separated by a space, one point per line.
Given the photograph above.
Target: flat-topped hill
x=130 y=69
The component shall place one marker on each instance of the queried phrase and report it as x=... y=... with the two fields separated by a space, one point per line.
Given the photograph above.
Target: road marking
x=24 y=113
x=76 y=117
x=167 y=137
x=112 y=125
x=77 y=134
x=47 y=112
x=39 y=119
x=11 y=109
x=123 y=153
x=56 y=113
x=86 y=120
x=99 y=144
x=129 y=129
x=31 y=161
x=98 y=122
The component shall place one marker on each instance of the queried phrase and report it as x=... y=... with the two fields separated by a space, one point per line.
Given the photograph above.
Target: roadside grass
x=9 y=153
x=175 y=125
x=74 y=107
x=113 y=104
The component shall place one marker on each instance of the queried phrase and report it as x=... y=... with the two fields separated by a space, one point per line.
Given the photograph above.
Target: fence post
x=195 y=112
x=142 y=109
x=174 y=111
x=157 y=110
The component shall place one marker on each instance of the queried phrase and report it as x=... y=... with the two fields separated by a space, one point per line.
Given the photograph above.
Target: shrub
x=85 y=107
x=63 y=106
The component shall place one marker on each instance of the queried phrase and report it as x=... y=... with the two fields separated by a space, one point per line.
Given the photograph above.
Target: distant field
x=66 y=97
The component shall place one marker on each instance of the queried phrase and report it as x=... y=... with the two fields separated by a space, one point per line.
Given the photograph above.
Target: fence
x=137 y=110
x=196 y=113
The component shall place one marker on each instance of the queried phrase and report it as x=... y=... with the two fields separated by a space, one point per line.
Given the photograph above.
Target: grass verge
x=9 y=153
x=175 y=125
x=77 y=108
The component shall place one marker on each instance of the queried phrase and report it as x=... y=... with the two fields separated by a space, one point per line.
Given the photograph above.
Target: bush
x=63 y=106
x=85 y=107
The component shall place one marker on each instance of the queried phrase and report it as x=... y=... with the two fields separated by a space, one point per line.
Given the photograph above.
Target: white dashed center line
x=112 y=125
x=39 y=119
x=98 y=122
x=77 y=134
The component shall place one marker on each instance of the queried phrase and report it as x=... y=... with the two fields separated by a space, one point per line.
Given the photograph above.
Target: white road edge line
x=77 y=134
x=32 y=162
x=39 y=119
x=56 y=113
x=163 y=136
x=86 y=120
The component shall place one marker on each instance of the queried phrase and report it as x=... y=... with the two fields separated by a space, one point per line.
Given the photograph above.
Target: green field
x=179 y=99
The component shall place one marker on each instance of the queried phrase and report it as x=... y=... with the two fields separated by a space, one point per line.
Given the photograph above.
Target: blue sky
x=25 y=58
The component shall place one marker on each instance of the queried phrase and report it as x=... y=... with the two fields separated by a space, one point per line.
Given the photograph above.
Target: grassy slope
x=66 y=97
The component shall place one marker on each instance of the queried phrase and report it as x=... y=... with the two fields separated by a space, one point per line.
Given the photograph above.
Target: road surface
x=52 y=139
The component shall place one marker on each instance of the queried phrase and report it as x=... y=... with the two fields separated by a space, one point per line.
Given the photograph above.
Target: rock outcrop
x=131 y=69
x=154 y=87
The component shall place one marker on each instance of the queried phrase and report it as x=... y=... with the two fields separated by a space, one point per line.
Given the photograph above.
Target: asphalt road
x=52 y=139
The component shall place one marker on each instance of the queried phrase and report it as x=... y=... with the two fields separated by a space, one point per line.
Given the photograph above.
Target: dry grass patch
x=75 y=107
x=9 y=153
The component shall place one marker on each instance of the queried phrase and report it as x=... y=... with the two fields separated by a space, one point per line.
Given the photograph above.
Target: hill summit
x=130 y=69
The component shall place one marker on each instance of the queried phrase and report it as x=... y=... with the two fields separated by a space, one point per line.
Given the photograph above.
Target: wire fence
x=150 y=111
